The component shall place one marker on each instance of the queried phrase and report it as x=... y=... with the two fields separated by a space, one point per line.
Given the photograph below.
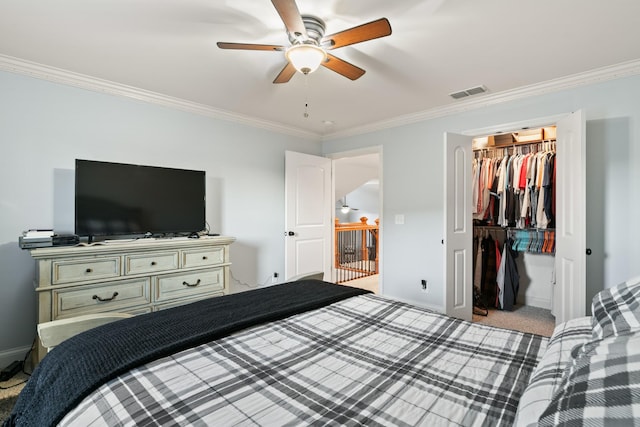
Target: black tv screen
x=114 y=199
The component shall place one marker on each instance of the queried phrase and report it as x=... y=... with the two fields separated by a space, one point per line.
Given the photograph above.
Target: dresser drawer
x=203 y=257
x=150 y=262
x=77 y=270
x=189 y=284
x=177 y=303
x=101 y=297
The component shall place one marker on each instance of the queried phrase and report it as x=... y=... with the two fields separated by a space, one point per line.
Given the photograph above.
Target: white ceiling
x=437 y=47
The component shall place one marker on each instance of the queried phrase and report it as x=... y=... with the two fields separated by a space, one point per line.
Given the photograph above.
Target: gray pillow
x=616 y=310
x=601 y=387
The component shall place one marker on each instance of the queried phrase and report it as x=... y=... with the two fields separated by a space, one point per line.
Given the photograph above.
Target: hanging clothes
x=500 y=281
x=511 y=283
x=514 y=187
x=496 y=302
x=517 y=190
x=474 y=186
x=488 y=280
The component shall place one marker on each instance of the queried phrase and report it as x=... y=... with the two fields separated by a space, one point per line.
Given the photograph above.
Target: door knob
x=289 y=233
x=588 y=251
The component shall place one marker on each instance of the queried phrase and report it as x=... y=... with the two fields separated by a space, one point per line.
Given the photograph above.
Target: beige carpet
x=523 y=318
x=9 y=394
x=369 y=283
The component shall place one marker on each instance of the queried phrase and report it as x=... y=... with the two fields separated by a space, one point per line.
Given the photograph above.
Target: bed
x=317 y=353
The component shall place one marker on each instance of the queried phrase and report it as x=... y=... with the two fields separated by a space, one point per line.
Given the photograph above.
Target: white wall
x=413 y=173
x=45 y=126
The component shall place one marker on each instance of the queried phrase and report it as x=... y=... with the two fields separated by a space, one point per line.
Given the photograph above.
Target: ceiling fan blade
x=249 y=46
x=361 y=33
x=285 y=75
x=343 y=67
x=290 y=15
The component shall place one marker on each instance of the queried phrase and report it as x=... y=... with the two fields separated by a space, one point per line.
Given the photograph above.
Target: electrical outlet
x=425 y=286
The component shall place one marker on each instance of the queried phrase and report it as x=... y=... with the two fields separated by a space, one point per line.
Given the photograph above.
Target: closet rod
x=499 y=227
x=529 y=144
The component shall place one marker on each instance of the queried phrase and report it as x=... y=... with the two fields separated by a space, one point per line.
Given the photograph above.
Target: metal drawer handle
x=191 y=285
x=204 y=257
x=115 y=294
x=88 y=270
x=153 y=263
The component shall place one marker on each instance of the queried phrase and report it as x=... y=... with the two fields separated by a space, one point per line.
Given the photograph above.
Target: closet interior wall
x=534 y=239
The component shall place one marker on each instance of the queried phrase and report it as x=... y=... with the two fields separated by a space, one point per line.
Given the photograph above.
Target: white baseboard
x=420 y=304
x=8 y=356
x=536 y=302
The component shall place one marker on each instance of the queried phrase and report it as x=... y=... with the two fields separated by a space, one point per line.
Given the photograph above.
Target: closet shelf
x=514 y=139
x=499 y=227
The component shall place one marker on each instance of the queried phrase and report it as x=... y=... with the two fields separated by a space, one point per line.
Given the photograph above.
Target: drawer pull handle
x=204 y=257
x=115 y=294
x=88 y=270
x=153 y=263
x=191 y=285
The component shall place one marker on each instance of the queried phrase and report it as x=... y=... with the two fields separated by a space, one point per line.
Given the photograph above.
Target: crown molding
x=57 y=75
x=598 y=75
x=69 y=78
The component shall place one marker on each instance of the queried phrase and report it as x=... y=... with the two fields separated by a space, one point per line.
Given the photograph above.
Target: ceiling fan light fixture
x=305 y=57
x=345 y=209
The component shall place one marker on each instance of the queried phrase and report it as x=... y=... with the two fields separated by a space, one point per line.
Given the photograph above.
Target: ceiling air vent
x=468 y=92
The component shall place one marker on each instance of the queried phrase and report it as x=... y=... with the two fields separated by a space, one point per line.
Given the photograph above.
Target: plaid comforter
x=362 y=361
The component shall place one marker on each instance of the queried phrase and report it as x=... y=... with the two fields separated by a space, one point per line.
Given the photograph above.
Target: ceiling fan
x=346 y=208
x=309 y=45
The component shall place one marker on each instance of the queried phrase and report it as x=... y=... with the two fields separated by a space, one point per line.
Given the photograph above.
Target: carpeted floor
x=9 y=394
x=369 y=283
x=523 y=318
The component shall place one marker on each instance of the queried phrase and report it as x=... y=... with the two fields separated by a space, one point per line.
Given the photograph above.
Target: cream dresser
x=130 y=276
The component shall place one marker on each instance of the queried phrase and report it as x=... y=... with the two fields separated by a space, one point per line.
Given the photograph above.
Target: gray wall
x=412 y=170
x=45 y=126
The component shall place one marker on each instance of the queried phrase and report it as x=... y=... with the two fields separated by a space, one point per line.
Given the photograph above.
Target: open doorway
x=356 y=239
x=514 y=229
x=568 y=296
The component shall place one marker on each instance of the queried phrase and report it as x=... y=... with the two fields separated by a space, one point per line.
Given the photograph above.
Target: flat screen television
x=116 y=199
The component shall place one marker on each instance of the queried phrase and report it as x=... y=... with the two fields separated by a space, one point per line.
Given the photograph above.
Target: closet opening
x=514 y=215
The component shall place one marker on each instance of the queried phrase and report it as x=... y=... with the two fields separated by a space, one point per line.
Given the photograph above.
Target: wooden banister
x=355 y=257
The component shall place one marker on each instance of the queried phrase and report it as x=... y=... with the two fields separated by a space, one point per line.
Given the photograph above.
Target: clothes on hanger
x=508 y=279
x=533 y=241
x=496 y=277
x=513 y=190
x=517 y=189
x=488 y=259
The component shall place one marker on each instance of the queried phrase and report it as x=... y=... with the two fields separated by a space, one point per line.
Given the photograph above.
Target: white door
x=569 y=297
x=308 y=214
x=458 y=226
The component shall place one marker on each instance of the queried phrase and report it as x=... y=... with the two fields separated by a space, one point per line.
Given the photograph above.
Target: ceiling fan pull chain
x=306 y=96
